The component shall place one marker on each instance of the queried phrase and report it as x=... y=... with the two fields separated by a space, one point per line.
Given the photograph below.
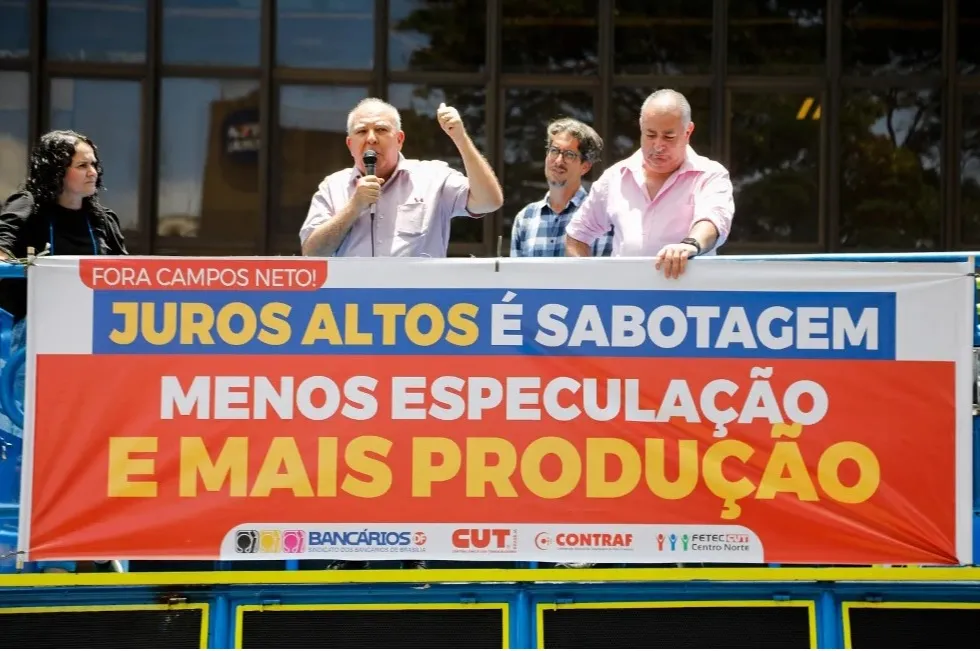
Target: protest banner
x=550 y=410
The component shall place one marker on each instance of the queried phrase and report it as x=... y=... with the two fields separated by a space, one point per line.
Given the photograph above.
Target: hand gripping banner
x=550 y=410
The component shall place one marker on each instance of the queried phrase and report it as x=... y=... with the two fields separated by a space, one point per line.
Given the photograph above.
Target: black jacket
x=25 y=224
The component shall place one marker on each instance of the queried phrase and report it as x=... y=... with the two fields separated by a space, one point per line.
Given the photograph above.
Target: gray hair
x=374 y=102
x=589 y=142
x=668 y=98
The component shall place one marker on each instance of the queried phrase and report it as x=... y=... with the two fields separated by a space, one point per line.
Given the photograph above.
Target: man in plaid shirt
x=572 y=148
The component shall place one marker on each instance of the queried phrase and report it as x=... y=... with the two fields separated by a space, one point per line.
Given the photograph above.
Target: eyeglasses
x=569 y=155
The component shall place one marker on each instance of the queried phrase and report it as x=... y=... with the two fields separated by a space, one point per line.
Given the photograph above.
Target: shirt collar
x=693 y=162
x=575 y=201
x=400 y=166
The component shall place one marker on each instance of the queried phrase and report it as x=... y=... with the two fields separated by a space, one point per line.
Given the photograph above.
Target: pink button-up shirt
x=412 y=215
x=699 y=190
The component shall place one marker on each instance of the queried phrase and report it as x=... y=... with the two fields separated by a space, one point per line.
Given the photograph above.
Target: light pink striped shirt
x=412 y=216
x=699 y=190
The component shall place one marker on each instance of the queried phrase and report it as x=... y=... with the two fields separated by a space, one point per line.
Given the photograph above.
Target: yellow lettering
x=389 y=313
x=787 y=430
x=283 y=453
x=714 y=475
x=425 y=471
x=352 y=334
x=786 y=473
x=326 y=480
x=479 y=472
x=571 y=467
x=196 y=320
x=687 y=469
x=130 y=315
x=248 y=327
x=596 y=482
x=275 y=327
x=167 y=331
x=122 y=467
x=357 y=459
x=231 y=466
x=462 y=321
x=869 y=472
x=437 y=324
x=322 y=325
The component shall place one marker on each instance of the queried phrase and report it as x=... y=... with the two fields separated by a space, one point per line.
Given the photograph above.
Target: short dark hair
x=589 y=142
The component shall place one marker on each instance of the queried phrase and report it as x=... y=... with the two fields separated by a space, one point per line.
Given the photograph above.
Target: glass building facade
x=847 y=125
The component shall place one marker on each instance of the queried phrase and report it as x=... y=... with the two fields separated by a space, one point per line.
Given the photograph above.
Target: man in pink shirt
x=405 y=207
x=664 y=201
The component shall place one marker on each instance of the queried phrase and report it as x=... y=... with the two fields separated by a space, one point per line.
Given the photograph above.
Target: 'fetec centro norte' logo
x=270 y=541
x=703 y=542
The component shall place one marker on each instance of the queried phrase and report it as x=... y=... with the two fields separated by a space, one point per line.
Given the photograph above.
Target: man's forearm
x=705 y=233
x=326 y=238
x=577 y=249
x=486 y=195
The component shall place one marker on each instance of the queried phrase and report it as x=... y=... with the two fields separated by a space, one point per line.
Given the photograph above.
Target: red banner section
x=829 y=461
x=190 y=274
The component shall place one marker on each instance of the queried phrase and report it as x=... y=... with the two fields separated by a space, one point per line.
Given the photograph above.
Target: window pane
x=970 y=170
x=437 y=35
x=110 y=30
x=108 y=112
x=528 y=112
x=425 y=139
x=625 y=137
x=775 y=167
x=547 y=36
x=968 y=42
x=15 y=29
x=14 y=89
x=667 y=37
x=892 y=36
x=211 y=32
x=312 y=135
x=777 y=37
x=325 y=34
x=891 y=169
x=208 y=160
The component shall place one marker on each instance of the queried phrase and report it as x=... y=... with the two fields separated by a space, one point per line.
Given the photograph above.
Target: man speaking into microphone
x=388 y=205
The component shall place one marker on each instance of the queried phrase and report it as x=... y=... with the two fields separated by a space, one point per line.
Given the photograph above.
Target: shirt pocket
x=410 y=219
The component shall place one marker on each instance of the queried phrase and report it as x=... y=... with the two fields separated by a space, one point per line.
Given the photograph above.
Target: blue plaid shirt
x=540 y=233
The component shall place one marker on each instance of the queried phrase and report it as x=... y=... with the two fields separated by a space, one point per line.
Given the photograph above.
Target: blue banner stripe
x=610 y=323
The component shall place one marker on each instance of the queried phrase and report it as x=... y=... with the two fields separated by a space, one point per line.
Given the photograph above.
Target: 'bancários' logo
x=293 y=541
x=365 y=539
x=246 y=541
x=269 y=541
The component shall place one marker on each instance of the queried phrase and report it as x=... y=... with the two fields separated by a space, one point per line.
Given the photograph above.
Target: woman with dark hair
x=57 y=210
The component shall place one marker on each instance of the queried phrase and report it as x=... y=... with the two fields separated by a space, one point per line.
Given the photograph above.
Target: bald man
x=664 y=201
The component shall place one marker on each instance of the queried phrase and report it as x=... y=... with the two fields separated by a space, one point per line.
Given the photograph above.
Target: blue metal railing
x=13 y=359
x=11 y=422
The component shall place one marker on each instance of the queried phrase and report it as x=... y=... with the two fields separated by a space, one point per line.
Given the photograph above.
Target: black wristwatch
x=693 y=242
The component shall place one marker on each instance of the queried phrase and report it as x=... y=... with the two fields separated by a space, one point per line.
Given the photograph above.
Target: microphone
x=370 y=159
x=370 y=167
